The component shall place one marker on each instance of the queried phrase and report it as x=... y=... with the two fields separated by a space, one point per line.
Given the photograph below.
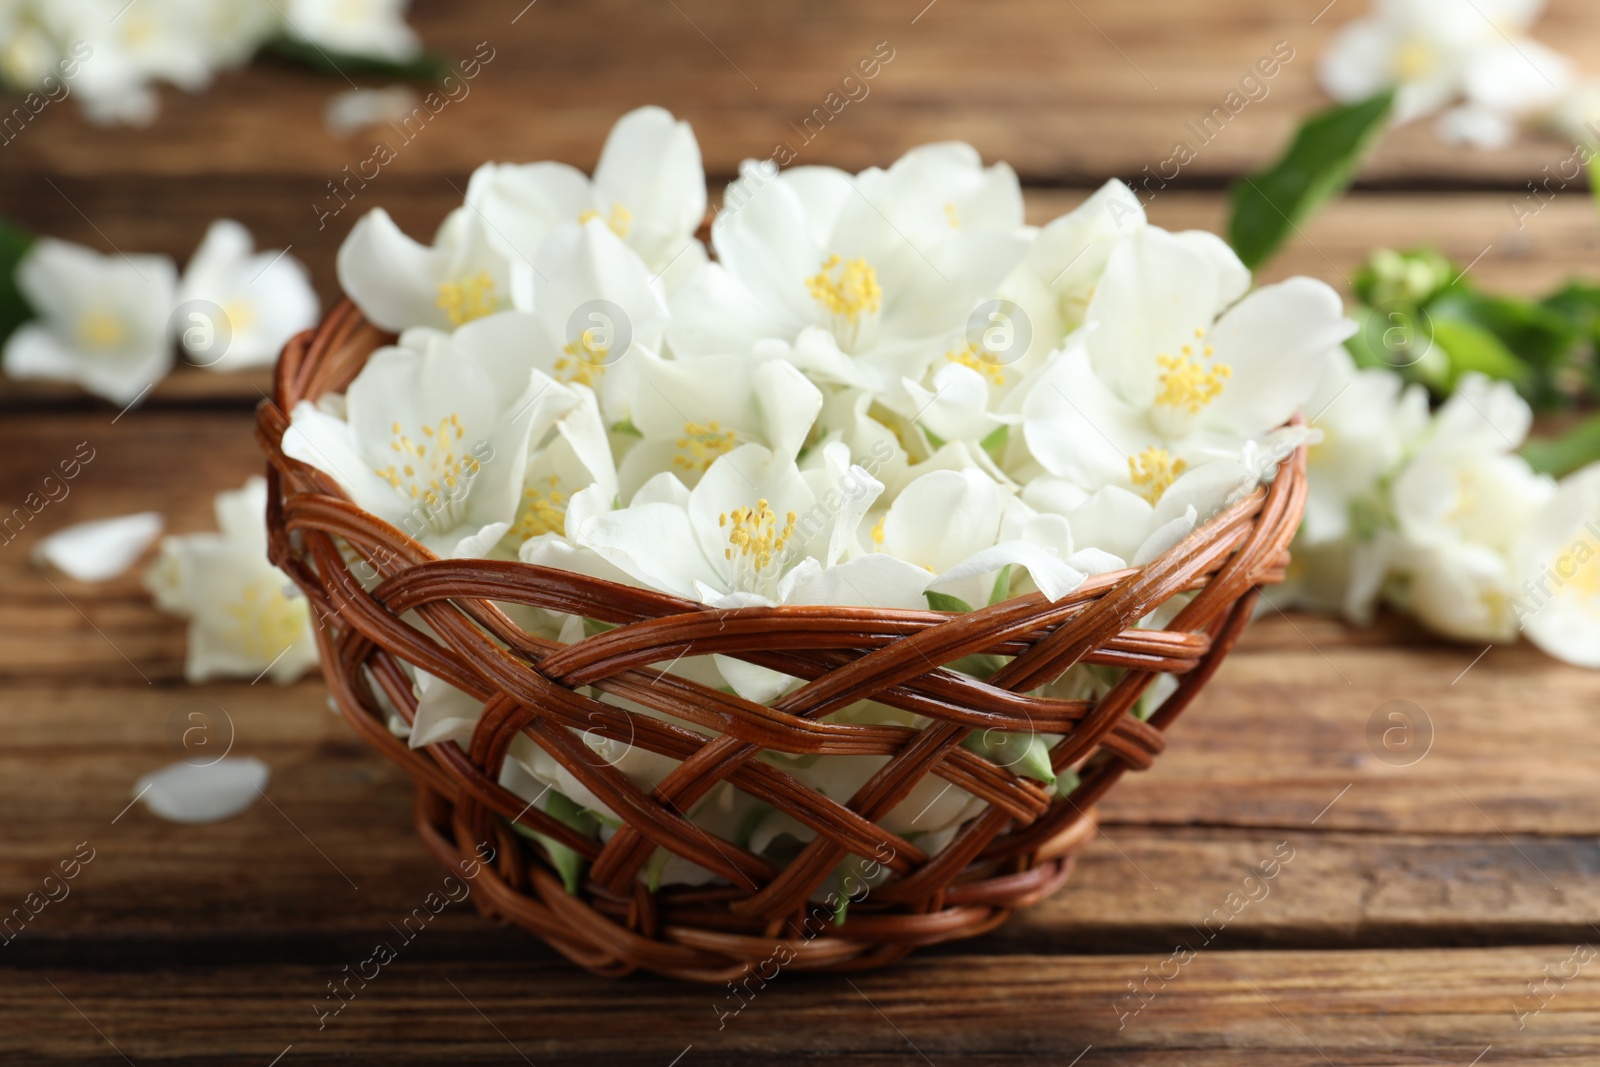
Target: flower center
x=543 y=510
x=100 y=330
x=466 y=299
x=1153 y=471
x=981 y=360
x=265 y=622
x=700 y=445
x=1414 y=60
x=846 y=288
x=431 y=471
x=585 y=358
x=241 y=315
x=877 y=531
x=755 y=540
x=1189 y=382
x=620 y=221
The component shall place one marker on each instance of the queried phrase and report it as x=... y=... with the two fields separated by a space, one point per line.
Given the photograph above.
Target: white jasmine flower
x=1174 y=368
x=1456 y=588
x=1069 y=254
x=960 y=527
x=1369 y=420
x=398 y=283
x=649 y=189
x=357 y=27
x=1556 y=564
x=245 y=618
x=689 y=412
x=265 y=298
x=597 y=315
x=102 y=319
x=809 y=258
x=736 y=539
x=1439 y=51
x=437 y=434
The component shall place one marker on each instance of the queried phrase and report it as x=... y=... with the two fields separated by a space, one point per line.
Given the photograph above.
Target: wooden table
x=1423 y=908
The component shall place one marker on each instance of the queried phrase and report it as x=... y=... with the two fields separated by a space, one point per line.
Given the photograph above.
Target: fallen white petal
x=355 y=110
x=100 y=550
x=211 y=792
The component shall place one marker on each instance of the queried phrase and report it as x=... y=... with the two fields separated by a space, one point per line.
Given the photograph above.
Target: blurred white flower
x=1369 y=420
x=1440 y=52
x=102 y=319
x=1556 y=572
x=263 y=298
x=357 y=27
x=245 y=617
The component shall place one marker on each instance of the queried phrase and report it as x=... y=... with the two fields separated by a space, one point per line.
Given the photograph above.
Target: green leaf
x=1594 y=180
x=934 y=439
x=1471 y=348
x=595 y=626
x=996 y=439
x=1541 y=337
x=1575 y=449
x=946 y=602
x=1067 y=781
x=1320 y=163
x=424 y=67
x=14 y=309
x=568 y=862
x=1002 y=585
x=840 y=910
x=1001 y=748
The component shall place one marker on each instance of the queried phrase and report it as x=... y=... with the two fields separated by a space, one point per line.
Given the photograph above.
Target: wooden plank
x=1067 y=92
x=1219 y=1009
x=1511 y=243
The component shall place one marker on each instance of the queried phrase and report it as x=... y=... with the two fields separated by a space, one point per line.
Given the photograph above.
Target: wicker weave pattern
x=1017 y=851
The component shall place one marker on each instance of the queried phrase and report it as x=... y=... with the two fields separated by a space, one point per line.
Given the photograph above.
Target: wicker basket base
x=669 y=932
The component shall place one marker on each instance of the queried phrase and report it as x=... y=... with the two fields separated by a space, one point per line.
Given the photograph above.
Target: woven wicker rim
x=1011 y=855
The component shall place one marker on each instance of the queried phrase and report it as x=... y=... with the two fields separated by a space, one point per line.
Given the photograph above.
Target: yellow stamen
x=981 y=360
x=1189 y=383
x=951 y=214
x=846 y=287
x=585 y=359
x=443 y=471
x=467 y=299
x=101 y=330
x=700 y=445
x=241 y=315
x=265 y=621
x=619 y=222
x=755 y=535
x=1414 y=60
x=877 y=531
x=1153 y=471
x=542 y=511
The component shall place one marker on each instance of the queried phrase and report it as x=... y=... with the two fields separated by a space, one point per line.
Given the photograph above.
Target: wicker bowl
x=1017 y=851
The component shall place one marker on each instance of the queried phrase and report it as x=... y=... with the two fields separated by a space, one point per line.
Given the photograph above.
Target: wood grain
x=1420 y=902
x=1294 y=1008
x=1065 y=92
